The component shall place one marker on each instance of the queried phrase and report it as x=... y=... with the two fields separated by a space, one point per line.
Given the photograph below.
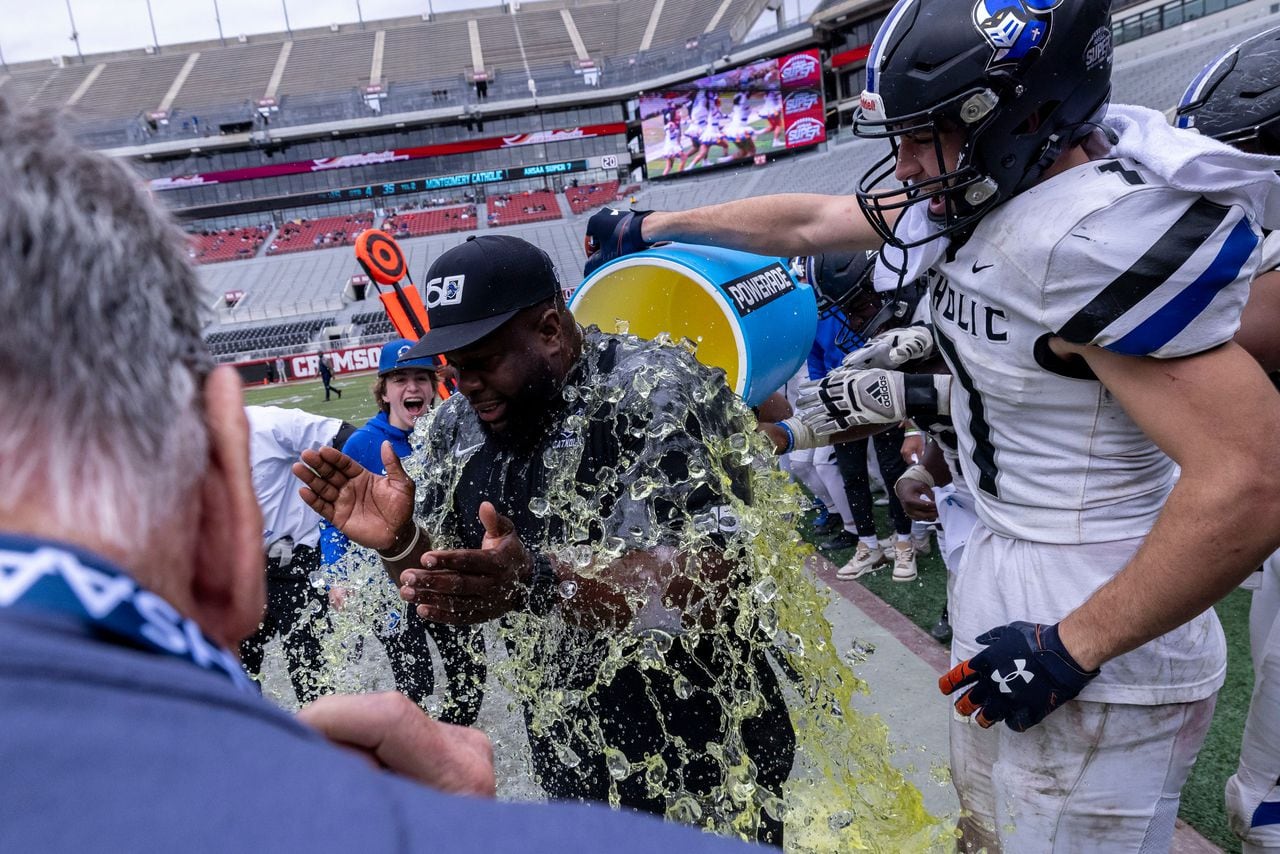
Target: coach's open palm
x=370 y=509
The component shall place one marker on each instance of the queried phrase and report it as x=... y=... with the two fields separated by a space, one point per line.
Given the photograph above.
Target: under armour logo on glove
x=1023 y=674
x=1020 y=664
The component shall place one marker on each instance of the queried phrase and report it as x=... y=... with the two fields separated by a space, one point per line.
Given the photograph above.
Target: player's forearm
x=787 y=224
x=1215 y=529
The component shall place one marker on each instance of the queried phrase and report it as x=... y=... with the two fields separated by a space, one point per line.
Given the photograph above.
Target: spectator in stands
x=326 y=377
x=126 y=721
x=405 y=390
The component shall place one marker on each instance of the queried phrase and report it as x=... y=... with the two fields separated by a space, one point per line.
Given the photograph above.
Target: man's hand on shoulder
x=612 y=233
x=395 y=734
x=468 y=586
x=370 y=509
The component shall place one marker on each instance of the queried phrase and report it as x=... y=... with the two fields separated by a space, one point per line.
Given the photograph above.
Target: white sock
x=871 y=542
x=904 y=538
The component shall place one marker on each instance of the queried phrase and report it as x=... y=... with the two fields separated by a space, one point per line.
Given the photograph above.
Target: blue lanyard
x=42 y=577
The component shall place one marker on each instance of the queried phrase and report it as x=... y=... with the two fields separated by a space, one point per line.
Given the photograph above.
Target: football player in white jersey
x=1093 y=265
x=1236 y=99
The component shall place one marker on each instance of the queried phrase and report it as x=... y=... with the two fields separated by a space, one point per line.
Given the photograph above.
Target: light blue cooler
x=747 y=313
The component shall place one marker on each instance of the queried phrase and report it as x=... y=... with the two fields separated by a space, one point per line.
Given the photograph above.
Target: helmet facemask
x=966 y=193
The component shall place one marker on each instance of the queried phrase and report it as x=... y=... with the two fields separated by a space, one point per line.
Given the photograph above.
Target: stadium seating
x=535 y=206
x=582 y=199
x=228 y=244
x=432 y=221
x=373 y=323
x=325 y=233
x=248 y=339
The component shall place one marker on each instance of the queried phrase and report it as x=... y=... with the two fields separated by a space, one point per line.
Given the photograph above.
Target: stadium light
x=360 y=14
x=75 y=34
x=217 y=16
x=287 y=27
x=154 y=38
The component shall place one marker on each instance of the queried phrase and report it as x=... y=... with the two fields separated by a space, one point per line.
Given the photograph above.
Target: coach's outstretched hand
x=612 y=233
x=1023 y=674
x=370 y=509
x=394 y=733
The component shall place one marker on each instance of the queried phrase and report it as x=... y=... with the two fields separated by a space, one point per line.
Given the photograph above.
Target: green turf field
x=1202 y=801
x=356 y=404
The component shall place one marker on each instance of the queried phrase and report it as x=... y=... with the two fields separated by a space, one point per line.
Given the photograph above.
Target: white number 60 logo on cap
x=444 y=291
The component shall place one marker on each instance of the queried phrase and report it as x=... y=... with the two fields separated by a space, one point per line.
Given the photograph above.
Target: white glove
x=849 y=398
x=892 y=349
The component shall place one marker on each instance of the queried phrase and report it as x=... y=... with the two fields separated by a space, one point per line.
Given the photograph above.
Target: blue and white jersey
x=1104 y=254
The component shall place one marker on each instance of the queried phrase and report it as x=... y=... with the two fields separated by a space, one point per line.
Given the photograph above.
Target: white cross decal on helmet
x=1019 y=670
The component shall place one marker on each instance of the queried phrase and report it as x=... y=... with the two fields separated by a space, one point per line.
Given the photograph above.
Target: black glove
x=612 y=233
x=1023 y=674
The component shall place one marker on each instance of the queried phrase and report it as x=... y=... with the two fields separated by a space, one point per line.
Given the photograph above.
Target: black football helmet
x=843 y=283
x=1236 y=97
x=1022 y=79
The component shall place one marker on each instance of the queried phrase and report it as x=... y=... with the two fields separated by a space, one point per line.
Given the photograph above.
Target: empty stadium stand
x=585 y=198
x=325 y=233
x=513 y=209
x=247 y=339
x=373 y=323
x=228 y=244
x=432 y=221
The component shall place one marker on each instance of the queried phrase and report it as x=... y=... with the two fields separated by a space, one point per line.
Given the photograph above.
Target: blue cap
x=391 y=360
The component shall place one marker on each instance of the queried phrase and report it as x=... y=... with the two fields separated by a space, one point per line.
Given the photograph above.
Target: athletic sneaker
x=904 y=562
x=865 y=559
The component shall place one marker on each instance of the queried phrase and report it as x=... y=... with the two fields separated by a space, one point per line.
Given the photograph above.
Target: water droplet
x=539 y=506
x=433 y=706
x=622 y=327
x=616 y=761
x=682 y=687
x=766 y=589
x=568 y=588
x=567 y=757
x=840 y=820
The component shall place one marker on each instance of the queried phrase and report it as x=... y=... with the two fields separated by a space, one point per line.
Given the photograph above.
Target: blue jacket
x=365 y=447
x=828 y=348
x=109 y=748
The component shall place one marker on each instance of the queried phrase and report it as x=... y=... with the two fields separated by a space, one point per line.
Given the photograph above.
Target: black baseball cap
x=479 y=285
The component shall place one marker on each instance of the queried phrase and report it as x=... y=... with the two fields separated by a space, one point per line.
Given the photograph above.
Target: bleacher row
x=245 y=339
x=304 y=235
x=228 y=244
x=195 y=79
x=373 y=323
x=432 y=221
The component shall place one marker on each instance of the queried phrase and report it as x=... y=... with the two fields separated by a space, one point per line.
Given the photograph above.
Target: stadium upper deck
x=353 y=71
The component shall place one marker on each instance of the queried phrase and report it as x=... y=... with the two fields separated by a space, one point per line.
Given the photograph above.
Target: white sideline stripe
x=273 y=85
x=574 y=36
x=375 y=67
x=715 y=19
x=653 y=24
x=178 y=81
x=85 y=84
x=477 y=55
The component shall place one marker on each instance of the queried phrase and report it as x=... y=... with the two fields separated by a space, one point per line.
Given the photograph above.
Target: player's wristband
x=791 y=437
x=802 y=435
x=413 y=544
x=917 y=472
x=927 y=394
